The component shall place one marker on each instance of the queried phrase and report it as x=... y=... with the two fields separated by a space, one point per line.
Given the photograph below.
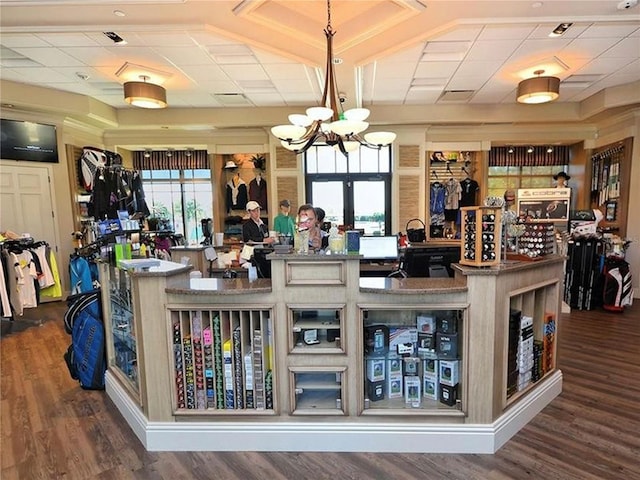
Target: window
x=511 y=168
x=183 y=197
x=501 y=179
x=354 y=191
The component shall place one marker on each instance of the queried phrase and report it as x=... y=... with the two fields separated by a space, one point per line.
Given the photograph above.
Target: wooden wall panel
x=409 y=193
x=287 y=187
x=409 y=156
x=286 y=158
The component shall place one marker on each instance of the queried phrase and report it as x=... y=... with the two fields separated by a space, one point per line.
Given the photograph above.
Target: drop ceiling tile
x=287 y=71
x=159 y=38
x=627 y=47
x=386 y=70
x=206 y=38
x=435 y=69
x=588 y=47
x=139 y=55
x=95 y=75
x=202 y=74
x=37 y=74
x=531 y=51
x=600 y=65
x=219 y=86
x=265 y=57
x=506 y=32
x=67 y=39
x=49 y=57
x=94 y=56
x=461 y=82
x=265 y=99
x=422 y=97
x=183 y=56
x=239 y=72
x=447 y=47
x=21 y=40
x=481 y=69
x=632 y=69
x=491 y=50
x=461 y=33
x=609 y=30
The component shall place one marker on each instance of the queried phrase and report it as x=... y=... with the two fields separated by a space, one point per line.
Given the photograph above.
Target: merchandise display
x=481 y=236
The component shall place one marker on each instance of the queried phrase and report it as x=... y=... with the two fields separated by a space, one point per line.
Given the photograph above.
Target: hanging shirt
x=452 y=195
x=258 y=191
x=469 y=189
x=4 y=291
x=436 y=198
x=237 y=195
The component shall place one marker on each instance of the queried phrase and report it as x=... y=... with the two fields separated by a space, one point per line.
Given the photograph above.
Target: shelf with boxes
x=413 y=359
x=531 y=337
x=222 y=361
x=481 y=236
x=316 y=330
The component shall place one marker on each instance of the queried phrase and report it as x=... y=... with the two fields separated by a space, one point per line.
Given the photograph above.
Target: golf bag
x=86 y=357
x=618 y=285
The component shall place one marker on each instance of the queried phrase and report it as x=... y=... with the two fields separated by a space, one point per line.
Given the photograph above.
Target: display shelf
x=122 y=348
x=316 y=330
x=222 y=361
x=481 y=236
x=531 y=353
x=413 y=359
x=317 y=392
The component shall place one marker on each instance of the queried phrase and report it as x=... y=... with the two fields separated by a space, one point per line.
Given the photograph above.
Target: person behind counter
x=254 y=230
x=307 y=220
x=283 y=223
x=324 y=235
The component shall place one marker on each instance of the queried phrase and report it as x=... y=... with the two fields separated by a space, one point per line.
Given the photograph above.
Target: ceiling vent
x=232 y=99
x=456 y=95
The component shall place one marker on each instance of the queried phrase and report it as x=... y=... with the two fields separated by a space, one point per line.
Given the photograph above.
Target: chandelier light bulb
x=319 y=113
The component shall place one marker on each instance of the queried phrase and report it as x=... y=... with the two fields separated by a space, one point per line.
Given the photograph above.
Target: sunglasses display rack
x=537 y=240
x=481 y=236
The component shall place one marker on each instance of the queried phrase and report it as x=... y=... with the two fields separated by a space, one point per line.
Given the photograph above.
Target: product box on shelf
x=449 y=372
x=394 y=366
x=375 y=390
x=375 y=369
x=412 y=390
x=448 y=394
x=426 y=324
x=430 y=368
x=376 y=339
x=447 y=345
x=411 y=366
x=394 y=386
x=430 y=387
x=447 y=324
x=403 y=341
x=426 y=343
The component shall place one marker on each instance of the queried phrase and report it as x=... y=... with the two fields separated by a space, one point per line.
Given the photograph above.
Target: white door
x=26 y=202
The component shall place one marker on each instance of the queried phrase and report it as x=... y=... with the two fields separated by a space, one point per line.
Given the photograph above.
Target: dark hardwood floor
x=51 y=429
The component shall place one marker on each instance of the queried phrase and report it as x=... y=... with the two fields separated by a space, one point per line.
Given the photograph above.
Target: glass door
x=360 y=204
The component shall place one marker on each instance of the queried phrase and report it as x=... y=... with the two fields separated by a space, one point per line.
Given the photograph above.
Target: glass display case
x=413 y=359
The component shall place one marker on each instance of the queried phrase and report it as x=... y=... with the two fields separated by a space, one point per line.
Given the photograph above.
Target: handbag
x=416 y=234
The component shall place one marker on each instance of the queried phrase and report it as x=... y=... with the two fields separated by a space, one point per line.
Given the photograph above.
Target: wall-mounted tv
x=28 y=141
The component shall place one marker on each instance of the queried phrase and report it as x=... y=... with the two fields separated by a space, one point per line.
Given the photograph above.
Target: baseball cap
x=252 y=205
x=285 y=203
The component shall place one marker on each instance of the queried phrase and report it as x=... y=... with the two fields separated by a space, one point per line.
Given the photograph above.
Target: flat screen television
x=379 y=248
x=28 y=141
x=430 y=261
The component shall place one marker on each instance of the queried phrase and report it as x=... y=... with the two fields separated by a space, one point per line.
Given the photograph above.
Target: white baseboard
x=329 y=436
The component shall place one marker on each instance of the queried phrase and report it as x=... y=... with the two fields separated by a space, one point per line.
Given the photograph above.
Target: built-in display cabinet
x=319 y=359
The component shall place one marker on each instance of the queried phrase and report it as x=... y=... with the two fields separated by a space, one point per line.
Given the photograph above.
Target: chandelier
x=326 y=124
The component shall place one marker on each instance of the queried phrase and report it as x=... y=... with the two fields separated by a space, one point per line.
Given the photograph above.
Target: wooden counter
x=313 y=392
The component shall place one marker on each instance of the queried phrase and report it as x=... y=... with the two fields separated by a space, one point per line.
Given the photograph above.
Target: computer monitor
x=379 y=248
x=260 y=261
x=429 y=261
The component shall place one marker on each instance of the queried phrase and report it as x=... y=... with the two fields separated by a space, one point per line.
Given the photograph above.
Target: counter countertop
x=312 y=257
x=222 y=286
x=507 y=267
x=411 y=286
x=165 y=269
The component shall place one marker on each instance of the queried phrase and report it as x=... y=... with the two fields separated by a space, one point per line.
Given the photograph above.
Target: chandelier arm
x=363 y=142
x=341 y=147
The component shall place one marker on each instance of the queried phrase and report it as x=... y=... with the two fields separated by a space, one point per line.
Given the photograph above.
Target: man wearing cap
x=254 y=230
x=283 y=223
